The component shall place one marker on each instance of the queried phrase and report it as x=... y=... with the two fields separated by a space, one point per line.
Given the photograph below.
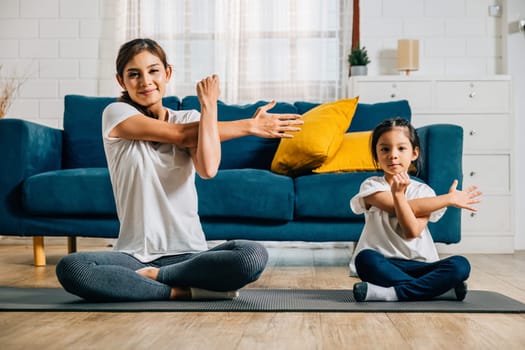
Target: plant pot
x=358 y=70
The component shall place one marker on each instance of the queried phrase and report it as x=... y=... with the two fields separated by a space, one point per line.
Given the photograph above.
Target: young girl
x=395 y=256
x=153 y=153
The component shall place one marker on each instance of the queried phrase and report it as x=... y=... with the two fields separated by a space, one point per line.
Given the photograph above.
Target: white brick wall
x=56 y=45
x=65 y=46
x=455 y=36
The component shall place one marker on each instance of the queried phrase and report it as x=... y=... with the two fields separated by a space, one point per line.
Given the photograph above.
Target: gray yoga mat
x=256 y=300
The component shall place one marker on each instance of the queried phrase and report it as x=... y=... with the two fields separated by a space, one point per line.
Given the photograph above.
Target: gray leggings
x=111 y=276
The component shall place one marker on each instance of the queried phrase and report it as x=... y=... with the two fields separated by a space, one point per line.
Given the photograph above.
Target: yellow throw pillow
x=353 y=155
x=320 y=137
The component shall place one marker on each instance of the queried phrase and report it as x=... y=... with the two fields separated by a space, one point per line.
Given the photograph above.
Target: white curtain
x=286 y=50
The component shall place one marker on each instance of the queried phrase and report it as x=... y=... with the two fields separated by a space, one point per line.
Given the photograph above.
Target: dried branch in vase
x=8 y=89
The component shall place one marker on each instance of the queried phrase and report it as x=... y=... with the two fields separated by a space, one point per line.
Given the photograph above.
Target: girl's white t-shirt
x=382 y=232
x=154 y=189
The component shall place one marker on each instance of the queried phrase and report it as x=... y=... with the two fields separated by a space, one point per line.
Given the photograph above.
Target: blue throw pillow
x=367 y=116
x=249 y=151
x=83 y=146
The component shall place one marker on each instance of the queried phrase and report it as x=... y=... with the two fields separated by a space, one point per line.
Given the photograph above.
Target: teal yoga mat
x=256 y=300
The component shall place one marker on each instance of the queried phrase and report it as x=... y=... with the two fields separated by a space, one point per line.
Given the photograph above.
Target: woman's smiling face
x=145 y=79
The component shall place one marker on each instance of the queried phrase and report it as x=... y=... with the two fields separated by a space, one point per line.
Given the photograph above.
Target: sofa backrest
x=82 y=143
x=83 y=146
x=367 y=116
x=249 y=151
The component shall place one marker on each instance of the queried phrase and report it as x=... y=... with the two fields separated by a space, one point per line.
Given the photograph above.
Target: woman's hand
x=272 y=125
x=208 y=91
x=464 y=198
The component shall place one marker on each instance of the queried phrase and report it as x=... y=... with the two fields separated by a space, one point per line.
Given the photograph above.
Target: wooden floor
x=306 y=266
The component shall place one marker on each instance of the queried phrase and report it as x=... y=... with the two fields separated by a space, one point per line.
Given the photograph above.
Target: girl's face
x=145 y=79
x=395 y=152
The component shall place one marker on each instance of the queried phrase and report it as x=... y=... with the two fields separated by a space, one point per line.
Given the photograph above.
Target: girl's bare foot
x=149 y=272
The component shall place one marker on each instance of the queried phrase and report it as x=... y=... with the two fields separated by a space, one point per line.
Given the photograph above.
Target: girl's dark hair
x=129 y=50
x=389 y=124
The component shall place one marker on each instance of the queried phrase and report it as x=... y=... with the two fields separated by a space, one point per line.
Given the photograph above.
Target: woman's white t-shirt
x=382 y=232
x=154 y=189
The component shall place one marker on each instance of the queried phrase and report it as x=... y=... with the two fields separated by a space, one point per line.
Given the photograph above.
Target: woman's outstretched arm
x=262 y=124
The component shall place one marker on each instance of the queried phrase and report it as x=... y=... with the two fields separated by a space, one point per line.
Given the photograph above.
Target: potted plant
x=358 y=60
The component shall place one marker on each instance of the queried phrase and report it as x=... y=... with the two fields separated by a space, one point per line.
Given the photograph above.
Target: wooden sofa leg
x=39 y=253
x=71 y=245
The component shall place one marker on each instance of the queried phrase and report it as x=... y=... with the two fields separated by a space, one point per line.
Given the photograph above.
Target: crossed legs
x=116 y=276
x=413 y=280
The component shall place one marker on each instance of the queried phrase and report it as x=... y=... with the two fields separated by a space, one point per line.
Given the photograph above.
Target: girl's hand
x=464 y=198
x=208 y=91
x=271 y=125
x=400 y=183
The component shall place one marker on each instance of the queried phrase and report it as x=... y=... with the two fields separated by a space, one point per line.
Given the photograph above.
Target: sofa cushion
x=249 y=151
x=82 y=143
x=367 y=116
x=246 y=193
x=85 y=191
x=231 y=193
x=319 y=139
x=327 y=196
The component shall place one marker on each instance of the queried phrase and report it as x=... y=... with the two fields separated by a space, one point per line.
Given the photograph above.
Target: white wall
x=456 y=37
x=515 y=10
x=62 y=47
x=67 y=47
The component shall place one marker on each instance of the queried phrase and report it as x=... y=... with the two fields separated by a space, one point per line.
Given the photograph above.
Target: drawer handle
x=392 y=95
x=472 y=173
x=472 y=215
x=472 y=94
x=472 y=132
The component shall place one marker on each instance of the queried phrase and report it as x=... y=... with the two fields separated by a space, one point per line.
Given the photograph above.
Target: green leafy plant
x=358 y=56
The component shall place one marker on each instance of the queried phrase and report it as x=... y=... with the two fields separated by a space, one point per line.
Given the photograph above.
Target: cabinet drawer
x=480 y=133
x=473 y=96
x=418 y=93
x=489 y=172
x=493 y=215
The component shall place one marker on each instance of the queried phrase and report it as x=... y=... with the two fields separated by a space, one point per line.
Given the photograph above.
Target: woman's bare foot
x=180 y=293
x=149 y=272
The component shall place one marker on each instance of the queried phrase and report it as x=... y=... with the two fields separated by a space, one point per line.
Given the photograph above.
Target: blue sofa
x=56 y=183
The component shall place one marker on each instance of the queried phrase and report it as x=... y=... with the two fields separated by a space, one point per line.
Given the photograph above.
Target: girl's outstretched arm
x=463 y=199
x=422 y=207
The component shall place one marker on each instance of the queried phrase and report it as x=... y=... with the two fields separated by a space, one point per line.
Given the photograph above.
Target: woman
x=153 y=153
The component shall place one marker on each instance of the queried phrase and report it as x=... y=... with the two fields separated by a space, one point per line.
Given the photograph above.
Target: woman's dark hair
x=129 y=50
x=389 y=124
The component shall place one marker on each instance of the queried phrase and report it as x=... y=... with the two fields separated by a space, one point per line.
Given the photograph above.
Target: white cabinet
x=482 y=106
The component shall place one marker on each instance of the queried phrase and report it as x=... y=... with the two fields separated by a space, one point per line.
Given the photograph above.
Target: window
x=261 y=49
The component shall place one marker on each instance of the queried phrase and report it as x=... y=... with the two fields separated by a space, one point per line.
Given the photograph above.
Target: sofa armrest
x=442 y=157
x=26 y=149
